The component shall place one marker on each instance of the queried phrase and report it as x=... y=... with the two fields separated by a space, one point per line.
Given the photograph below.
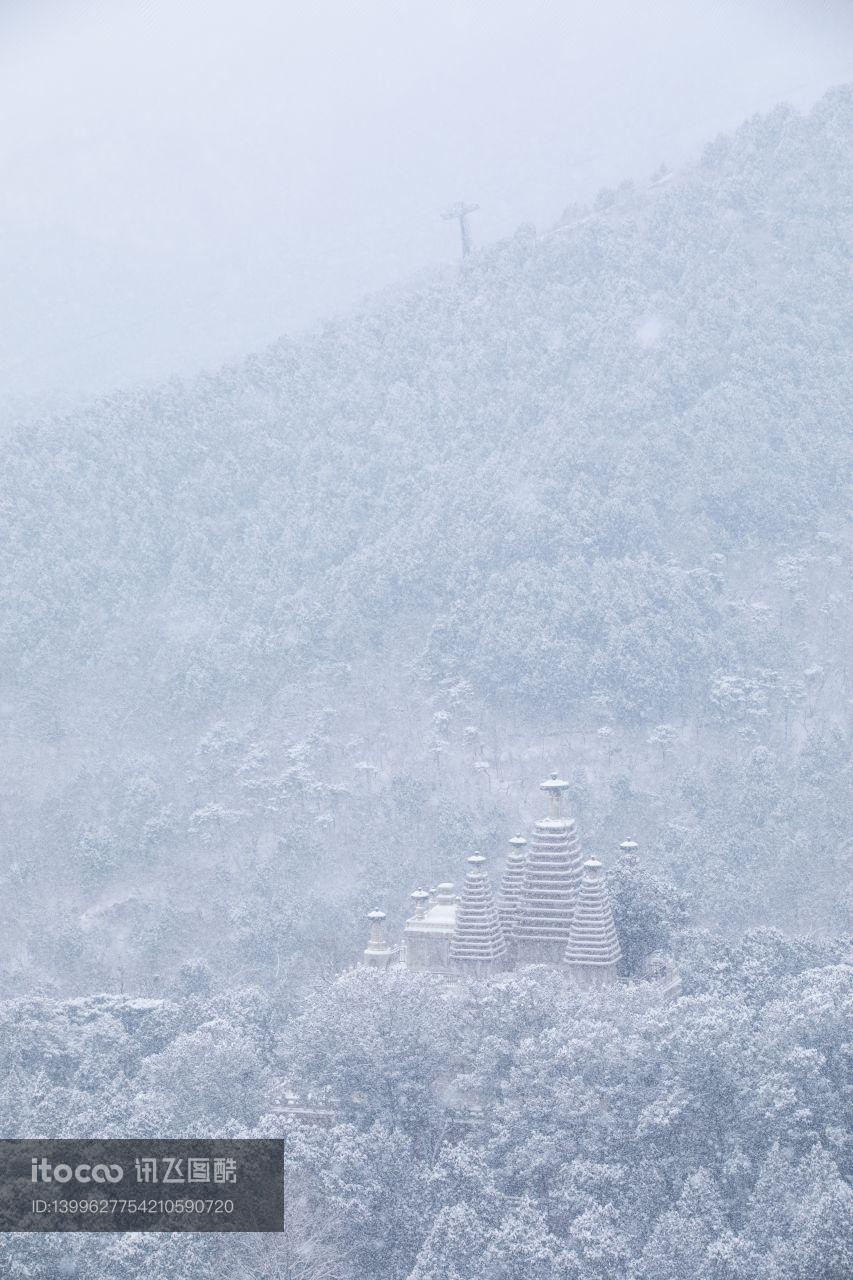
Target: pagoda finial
x=555 y=788
x=420 y=898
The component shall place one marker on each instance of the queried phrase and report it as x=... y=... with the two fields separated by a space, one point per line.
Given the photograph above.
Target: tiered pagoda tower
x=512 y=883
x=593 y=950
x=552 y=879
x=478 y=942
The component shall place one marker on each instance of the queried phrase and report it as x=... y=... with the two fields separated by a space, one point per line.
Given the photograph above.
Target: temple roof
x=437 y=917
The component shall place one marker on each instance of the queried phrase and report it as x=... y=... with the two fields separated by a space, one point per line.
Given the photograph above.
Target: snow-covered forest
x=281 y=643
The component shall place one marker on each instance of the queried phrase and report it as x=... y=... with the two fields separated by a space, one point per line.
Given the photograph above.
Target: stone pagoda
x=377 y=953
x=593 y=951
x=552 y=879
x=478 y=942
x=512 y=883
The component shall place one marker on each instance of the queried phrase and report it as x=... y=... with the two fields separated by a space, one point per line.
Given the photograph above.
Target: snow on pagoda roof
x=553 y=783
x=440 y=917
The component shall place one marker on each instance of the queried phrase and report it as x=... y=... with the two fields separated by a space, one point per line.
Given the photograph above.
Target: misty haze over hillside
x=183 y=183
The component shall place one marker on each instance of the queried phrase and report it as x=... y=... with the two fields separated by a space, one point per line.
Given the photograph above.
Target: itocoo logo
x=43 y=1171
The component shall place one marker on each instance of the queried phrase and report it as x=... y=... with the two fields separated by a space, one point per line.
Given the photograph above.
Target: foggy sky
x=184 y=180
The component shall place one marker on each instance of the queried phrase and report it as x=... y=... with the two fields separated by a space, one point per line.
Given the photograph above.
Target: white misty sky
x=184 y=180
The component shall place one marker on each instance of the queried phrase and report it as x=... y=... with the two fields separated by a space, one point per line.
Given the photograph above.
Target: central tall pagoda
x=552 y=878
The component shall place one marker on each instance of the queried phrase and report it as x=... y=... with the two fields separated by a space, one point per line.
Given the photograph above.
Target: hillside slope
x=529 y=462
x=603 y=473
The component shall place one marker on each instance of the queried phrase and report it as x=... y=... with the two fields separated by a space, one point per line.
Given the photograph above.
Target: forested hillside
x=282 y=644
x=709 y=1138
x=316 y=613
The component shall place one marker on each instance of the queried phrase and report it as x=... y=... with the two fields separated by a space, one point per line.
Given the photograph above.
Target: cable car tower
x=459 y=213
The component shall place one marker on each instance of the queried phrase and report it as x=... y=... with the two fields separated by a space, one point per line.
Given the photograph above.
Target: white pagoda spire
x=478 y=939
x=593 y=950
x=377 y=953
x=420 y=899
